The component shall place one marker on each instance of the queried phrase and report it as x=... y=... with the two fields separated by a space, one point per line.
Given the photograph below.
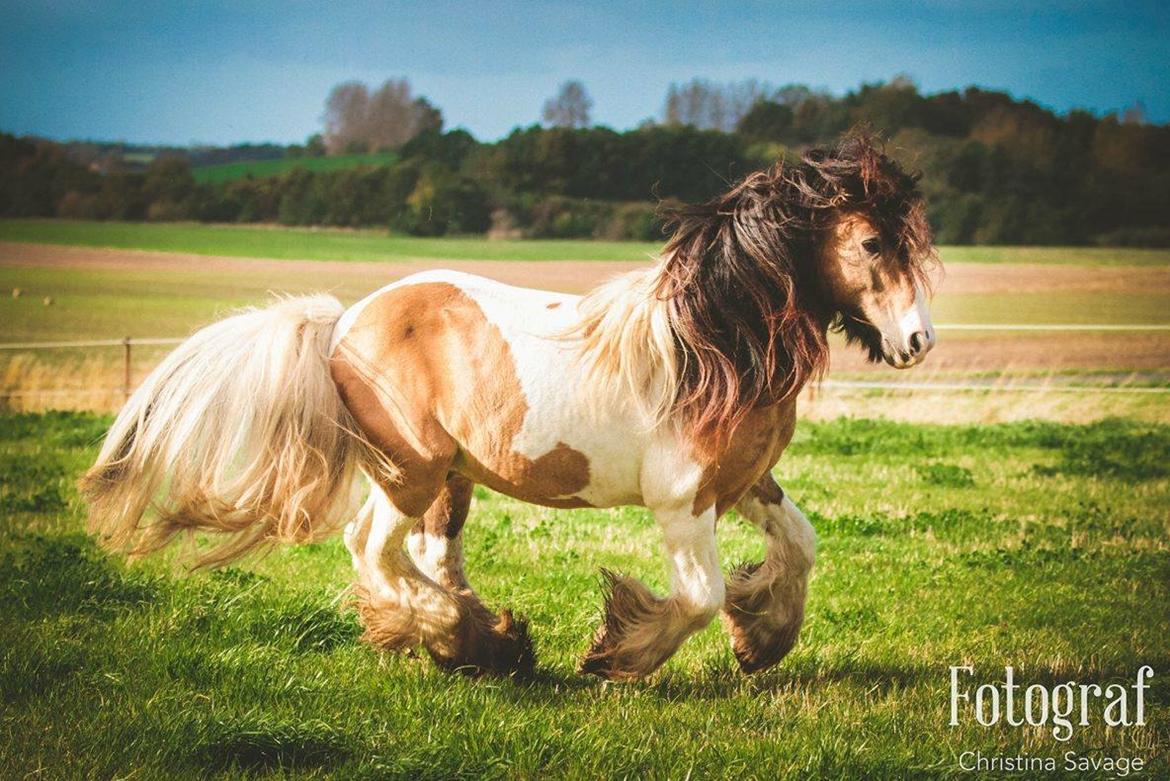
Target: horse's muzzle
x=912 y=352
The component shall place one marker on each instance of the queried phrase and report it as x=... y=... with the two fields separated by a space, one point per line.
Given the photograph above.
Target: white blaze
x=916 y=320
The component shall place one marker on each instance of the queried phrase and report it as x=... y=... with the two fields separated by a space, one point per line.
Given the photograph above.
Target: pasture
x=110 y=280
x=227 y=172
x=286 y=243
x=1039 y=545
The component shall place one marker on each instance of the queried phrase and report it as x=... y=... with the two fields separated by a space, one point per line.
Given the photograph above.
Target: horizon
x=75 y=73
x=448 y=127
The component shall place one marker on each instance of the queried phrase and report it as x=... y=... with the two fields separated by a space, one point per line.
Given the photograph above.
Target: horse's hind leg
x=401 y=607
x=641 y=631
x=765 y=601
x=436 y=541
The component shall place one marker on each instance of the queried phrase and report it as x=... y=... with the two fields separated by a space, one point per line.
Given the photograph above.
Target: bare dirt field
x=357 y=277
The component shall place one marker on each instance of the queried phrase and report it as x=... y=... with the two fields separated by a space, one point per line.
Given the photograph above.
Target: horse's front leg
x=641 y=631
x=765 y=601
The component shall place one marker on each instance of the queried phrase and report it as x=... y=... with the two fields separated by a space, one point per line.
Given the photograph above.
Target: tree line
x=996 y=170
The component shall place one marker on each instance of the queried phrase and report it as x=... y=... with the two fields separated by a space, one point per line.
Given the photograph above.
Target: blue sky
x=225 y=72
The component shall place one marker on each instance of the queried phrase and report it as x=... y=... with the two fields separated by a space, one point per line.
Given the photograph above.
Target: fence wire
x=128 y=343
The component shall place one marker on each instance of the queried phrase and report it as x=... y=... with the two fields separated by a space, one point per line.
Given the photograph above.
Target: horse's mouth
x=902 y=359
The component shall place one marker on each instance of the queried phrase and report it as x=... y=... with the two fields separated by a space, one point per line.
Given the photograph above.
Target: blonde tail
x=240 y=431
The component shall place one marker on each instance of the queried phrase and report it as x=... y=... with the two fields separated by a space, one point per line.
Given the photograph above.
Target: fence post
x=126 y=368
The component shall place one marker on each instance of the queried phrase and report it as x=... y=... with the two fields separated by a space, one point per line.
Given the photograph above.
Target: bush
x=635 y=221
x=166 y=211
x=444 y=202
x=1135 y=237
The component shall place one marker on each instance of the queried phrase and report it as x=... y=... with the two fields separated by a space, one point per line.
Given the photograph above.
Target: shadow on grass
x=50 y=575
x=259 y=743
x=722 y=680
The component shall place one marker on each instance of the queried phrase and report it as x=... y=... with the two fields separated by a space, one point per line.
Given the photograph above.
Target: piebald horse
x=672 y=388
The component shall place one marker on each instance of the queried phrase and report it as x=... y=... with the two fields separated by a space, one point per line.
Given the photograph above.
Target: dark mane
x=740 y=275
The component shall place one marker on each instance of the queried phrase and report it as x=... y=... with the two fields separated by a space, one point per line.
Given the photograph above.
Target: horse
x=673 y=387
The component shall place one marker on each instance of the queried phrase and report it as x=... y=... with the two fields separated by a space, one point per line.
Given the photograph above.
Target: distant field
x=331 y=244
x=226 y=172
x=307 y=243
x=111 y=293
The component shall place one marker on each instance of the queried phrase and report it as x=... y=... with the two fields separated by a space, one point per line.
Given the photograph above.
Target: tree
x=1135 y=114
x=345 y=115
x=709 y=106
x=357 y=120
x=767 y=121
x=315 y=146
x=570 y=108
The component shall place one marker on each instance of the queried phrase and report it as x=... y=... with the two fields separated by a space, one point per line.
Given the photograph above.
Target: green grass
x=1079 y=256
x=310 y=244
x=1040 y=546
x=227 y=172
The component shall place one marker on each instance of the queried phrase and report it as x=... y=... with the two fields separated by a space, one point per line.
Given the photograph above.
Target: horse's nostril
x=917 y=342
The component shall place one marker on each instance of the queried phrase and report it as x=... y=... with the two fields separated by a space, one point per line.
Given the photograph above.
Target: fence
x=128 y=343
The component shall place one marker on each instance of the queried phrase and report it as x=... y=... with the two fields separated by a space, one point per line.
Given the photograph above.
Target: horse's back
x=450 y=371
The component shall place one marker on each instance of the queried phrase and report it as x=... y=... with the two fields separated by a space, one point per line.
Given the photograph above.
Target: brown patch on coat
x=433 y=383
x=552 y=305
x=750 y=451
x=447 y=514
x=767 y=491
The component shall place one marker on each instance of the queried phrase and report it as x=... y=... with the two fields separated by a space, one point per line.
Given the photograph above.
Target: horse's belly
x=563 y=475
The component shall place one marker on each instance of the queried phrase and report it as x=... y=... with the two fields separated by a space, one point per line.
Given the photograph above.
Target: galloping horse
x=673 y=388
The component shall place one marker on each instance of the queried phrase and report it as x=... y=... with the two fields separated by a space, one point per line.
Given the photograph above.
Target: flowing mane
x=734 y=316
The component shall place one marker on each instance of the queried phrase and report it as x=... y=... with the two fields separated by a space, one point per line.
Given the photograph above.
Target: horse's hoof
x=754 y=658
x=504 y=648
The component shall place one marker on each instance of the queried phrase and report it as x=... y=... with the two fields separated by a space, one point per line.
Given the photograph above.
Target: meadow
x=1041 y=544
x=1037 y=545
x=227 y=172
x=85 y=280
x=287 y=243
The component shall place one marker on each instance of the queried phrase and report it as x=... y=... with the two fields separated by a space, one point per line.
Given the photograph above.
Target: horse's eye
x=872 y=246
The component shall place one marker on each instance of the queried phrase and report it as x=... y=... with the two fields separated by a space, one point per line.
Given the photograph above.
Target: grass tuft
x=947 y=475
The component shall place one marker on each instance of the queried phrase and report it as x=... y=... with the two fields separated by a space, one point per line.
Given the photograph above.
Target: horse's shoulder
x=743 y=455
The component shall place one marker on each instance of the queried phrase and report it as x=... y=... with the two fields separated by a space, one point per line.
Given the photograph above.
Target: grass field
x=307 y=243
x=108 y=293
x=227 y=172
x=325 y=244
x=100 y=304
x=1040 y=546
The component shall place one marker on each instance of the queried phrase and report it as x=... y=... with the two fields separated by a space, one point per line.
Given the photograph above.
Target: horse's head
x=751 y=281
x=874 y=250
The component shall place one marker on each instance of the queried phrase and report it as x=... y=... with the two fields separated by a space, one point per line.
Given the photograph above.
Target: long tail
x=241 y=431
